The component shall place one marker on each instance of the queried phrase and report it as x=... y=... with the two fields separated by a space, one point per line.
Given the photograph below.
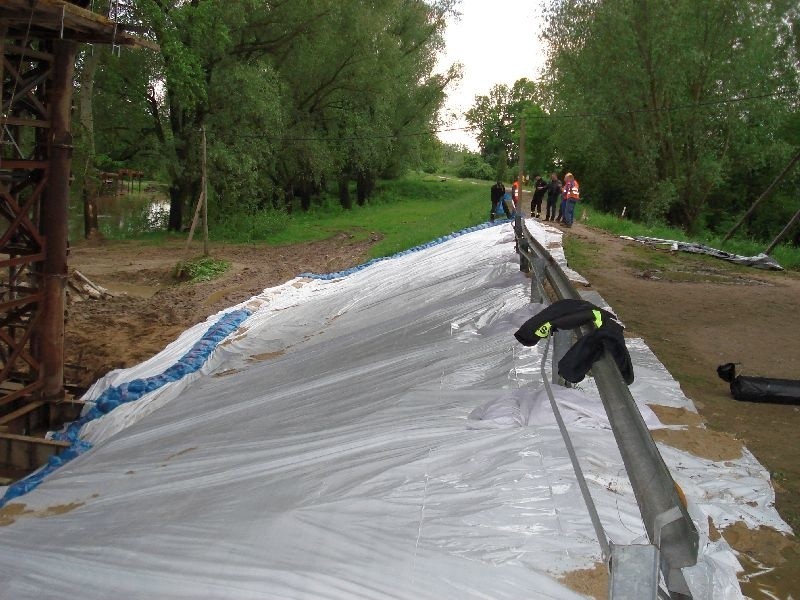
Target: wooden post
x=792 y=222
x=194 y=219
x=55 y=216
x=765 y=194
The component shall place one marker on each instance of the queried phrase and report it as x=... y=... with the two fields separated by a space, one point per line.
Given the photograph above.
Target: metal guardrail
x=668 y=524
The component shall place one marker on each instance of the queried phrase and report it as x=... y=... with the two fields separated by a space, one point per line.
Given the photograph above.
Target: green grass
x=201 y=268
x=581 y=253
x=787 y=256
x=414 y=210
x=404 y=213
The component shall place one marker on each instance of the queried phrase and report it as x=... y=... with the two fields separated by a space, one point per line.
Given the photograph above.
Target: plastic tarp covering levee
x=377 y=435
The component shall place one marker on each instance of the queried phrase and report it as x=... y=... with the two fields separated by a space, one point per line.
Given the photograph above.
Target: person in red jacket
x=571 y=194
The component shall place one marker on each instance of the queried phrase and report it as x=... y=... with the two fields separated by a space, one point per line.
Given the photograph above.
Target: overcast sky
x=497 y=42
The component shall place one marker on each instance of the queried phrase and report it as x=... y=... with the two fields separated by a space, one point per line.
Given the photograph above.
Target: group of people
x=567 y=192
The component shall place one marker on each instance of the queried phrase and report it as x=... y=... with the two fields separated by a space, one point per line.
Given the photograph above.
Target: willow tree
x=361 y=85
x=292 y=92
x=652 y=95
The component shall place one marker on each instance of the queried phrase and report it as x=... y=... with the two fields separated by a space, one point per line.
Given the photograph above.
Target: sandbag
x=760 y=389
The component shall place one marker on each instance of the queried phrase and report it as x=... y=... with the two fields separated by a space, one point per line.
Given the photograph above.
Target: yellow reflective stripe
x=598 y=318
x=544 y=330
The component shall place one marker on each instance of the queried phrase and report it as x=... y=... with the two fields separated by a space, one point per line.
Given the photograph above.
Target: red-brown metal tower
x=38 y=44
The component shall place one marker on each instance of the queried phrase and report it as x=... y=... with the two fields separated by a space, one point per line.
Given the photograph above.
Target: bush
x=202 y=268
x=474 y=167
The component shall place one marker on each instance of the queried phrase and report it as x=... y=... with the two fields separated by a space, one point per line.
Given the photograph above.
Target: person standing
x=571 y=195
x=539 y=189
x=553 y=195
x=497 y=192
x=515 y=189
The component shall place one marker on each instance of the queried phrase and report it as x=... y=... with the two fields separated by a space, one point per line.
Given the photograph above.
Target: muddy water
x=124 y=215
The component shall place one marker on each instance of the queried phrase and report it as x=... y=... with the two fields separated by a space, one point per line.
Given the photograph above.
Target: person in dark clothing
x=497 y=192
x=553 y=196
x=539 y=189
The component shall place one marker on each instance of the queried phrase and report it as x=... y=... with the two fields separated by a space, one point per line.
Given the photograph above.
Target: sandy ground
x=694 y=312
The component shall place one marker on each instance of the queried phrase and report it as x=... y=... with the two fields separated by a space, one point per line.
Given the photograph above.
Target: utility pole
x=205 y=197
x=521 y=157
x=522 y=244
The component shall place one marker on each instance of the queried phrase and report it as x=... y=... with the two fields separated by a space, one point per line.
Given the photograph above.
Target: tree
x=292 y=93
x=498 y=117
x=654 y=96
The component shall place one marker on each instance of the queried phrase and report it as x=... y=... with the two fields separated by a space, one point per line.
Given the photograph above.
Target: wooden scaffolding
x=38 y=45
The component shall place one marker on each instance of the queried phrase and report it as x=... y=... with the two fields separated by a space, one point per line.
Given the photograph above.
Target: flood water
x=124 y=215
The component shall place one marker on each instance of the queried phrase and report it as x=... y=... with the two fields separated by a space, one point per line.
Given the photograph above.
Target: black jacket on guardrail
x=570 y=314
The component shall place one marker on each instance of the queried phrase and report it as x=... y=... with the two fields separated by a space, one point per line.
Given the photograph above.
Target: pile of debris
x=80 y=287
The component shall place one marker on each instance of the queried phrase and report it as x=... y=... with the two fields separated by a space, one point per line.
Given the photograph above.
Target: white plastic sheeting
x=759 y=261
x=376 y=436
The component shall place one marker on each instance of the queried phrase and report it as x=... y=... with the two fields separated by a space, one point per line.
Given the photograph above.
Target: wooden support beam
x=27 y=452
x=27 y=390
x=21 y=412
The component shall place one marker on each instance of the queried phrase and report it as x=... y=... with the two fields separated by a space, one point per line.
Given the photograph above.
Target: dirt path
x=694 y=312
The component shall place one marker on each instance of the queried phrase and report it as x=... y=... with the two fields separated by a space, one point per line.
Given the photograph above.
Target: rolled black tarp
x=760 y=389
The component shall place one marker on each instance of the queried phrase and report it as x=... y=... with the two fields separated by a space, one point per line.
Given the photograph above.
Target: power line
x=669 y=108
x=595 y=115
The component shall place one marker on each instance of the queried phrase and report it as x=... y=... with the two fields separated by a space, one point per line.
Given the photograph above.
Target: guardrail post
x=665 y=517
x=537 y=281
x=522 y=244
x=634 y=572
x=562 y=340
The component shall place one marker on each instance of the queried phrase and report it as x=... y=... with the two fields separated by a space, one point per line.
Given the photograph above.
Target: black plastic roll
x=763 y=389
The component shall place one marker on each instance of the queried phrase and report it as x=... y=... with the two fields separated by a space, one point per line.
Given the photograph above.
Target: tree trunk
x=344 y=193
x=364 y=186
x=288 y=199
x=89 y=194
x=177 y=198
x=89 y=187
x=305 y=196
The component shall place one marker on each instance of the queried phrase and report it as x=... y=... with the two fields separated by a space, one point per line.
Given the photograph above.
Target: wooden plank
x=28 y=452
x=78 y=23
x=6 y=163
x=24 y=122
x=22 y=260
x=11 y=386
x=19 y=393
x=27 y=52
x=21 y=412
x=9 y=304
x=29 y=439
